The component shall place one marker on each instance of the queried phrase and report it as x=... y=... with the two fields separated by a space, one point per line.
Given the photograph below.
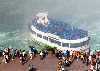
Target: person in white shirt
x=90 y=59
x=41 y=53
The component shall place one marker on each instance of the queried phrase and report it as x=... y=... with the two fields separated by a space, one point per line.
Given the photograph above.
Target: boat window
x=85 y=43
x=75 y=45
x=55 y=41
x=58 y=42
x=45 y=37
x=65 y=44
x=52 y=40
x=39 y=35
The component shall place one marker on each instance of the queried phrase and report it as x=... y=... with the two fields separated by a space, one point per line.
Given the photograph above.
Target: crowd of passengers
x=65 y=57
x=9 y=54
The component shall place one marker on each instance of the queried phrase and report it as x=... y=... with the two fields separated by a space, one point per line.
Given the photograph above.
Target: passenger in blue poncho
x=66 y=53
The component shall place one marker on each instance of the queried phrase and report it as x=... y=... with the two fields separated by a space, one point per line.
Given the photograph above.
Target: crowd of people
x=65 y=57
x=94 y=62
x=9 y=54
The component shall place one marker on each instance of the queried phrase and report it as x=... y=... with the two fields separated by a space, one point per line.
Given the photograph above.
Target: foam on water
x=14 y=39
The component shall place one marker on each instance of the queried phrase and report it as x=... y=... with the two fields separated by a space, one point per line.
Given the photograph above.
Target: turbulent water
x=15 y=15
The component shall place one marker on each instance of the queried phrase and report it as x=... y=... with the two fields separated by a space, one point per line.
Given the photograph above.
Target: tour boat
x=58 y=34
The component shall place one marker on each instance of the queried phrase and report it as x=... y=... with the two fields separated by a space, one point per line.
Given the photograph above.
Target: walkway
x=77 y=66
x=48 y=64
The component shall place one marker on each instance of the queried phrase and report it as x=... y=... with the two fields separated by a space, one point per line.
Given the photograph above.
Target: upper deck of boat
x=61 y=29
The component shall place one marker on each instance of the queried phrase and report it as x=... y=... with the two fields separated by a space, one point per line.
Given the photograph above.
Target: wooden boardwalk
x=48 y=64
x=77 y=66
